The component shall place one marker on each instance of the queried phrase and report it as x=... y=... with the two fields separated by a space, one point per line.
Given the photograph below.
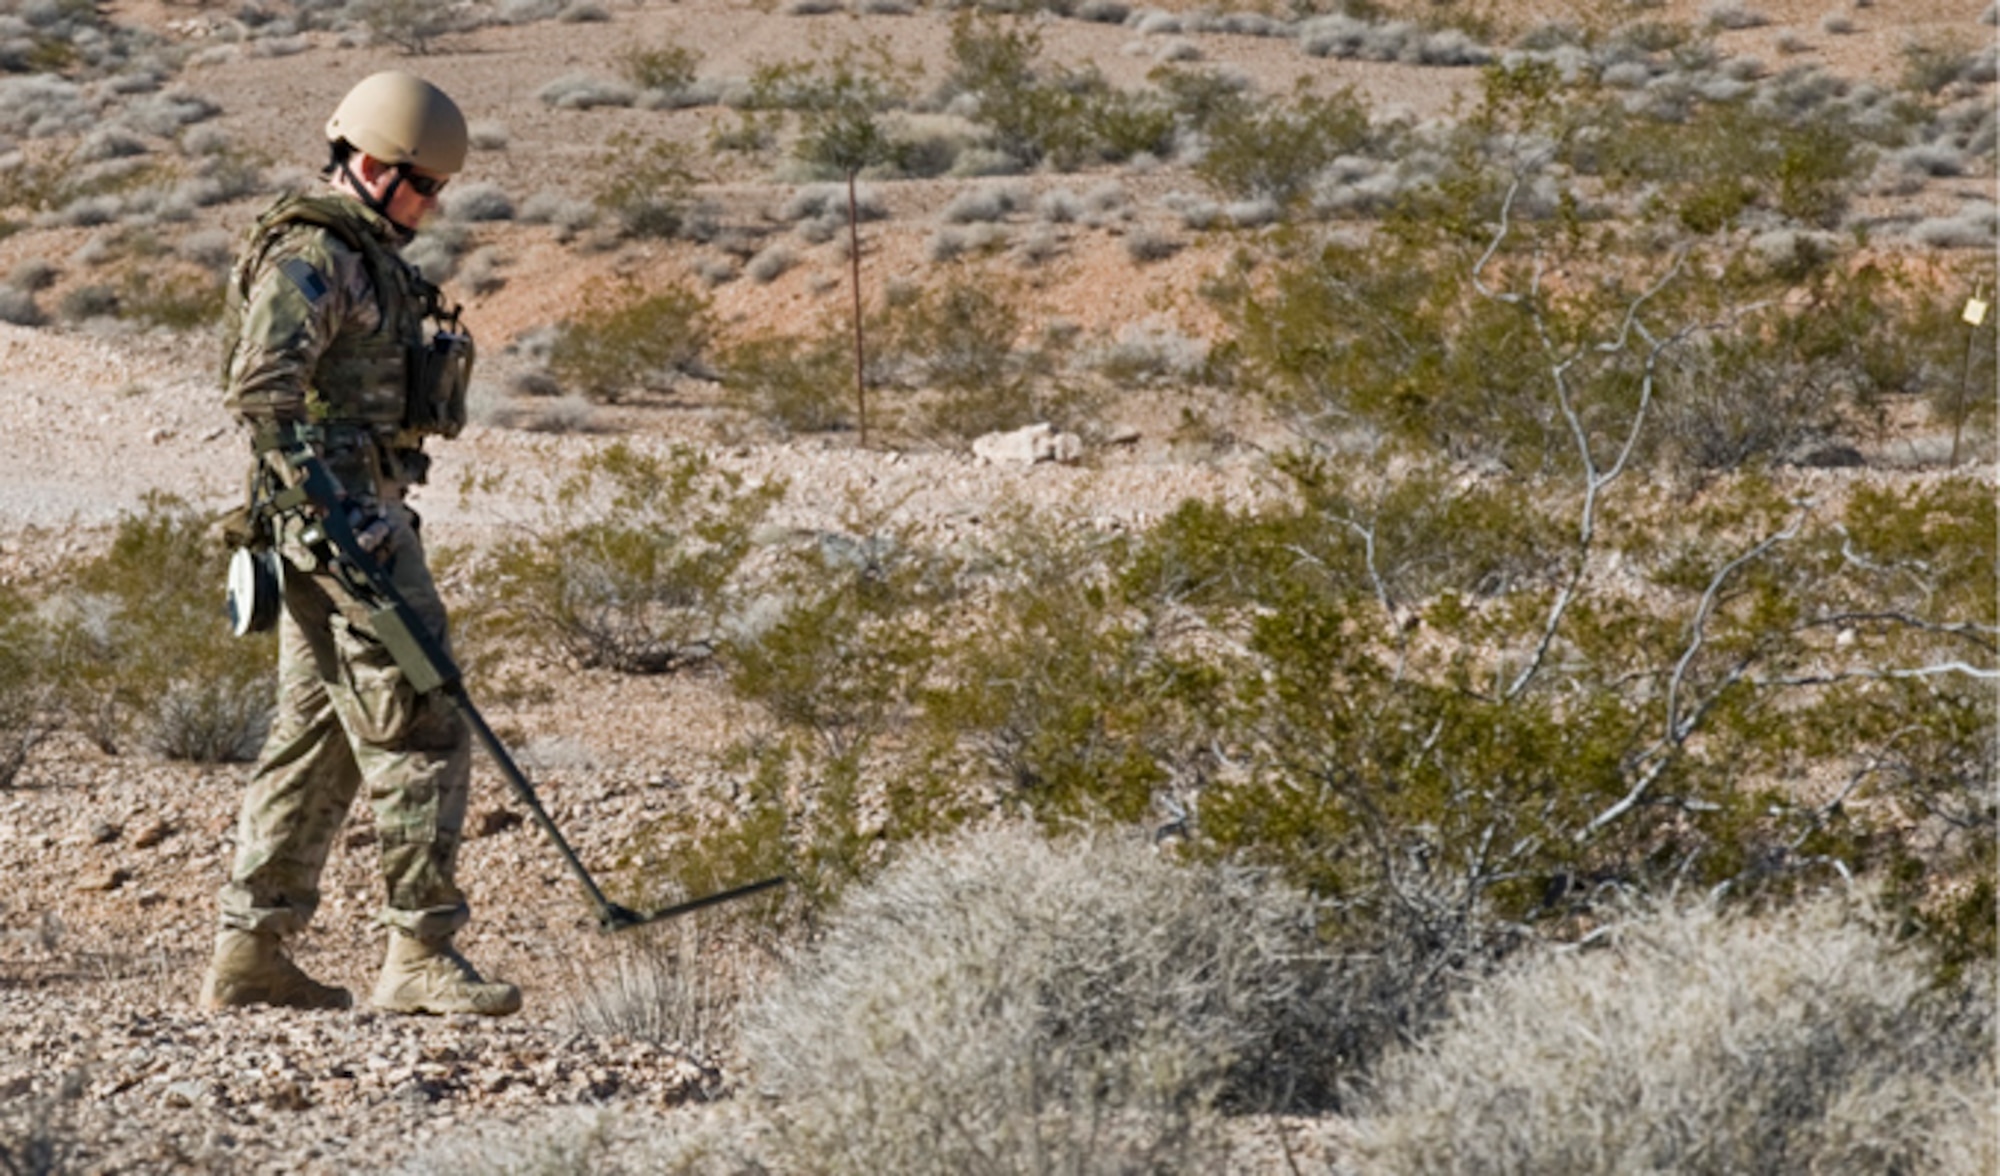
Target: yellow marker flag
x=1975 y=311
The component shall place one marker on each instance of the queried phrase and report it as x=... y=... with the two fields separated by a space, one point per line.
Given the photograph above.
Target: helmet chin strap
x=379 y=205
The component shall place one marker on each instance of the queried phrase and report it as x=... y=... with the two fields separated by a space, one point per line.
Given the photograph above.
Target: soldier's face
x=412 y=197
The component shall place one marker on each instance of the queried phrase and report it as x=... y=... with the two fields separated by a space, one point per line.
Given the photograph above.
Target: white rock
x=1026 y=446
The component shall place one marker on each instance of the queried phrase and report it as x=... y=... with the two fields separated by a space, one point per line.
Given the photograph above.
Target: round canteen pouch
x=253 y=591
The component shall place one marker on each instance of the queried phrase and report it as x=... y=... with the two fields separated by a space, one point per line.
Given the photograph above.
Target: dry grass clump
x=479 y=201
x=674 y=987
x=1008 y=1003
x=1804 y=1041
x=1977 y=227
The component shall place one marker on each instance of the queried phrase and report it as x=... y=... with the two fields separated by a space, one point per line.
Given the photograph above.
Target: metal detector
x=430 y=669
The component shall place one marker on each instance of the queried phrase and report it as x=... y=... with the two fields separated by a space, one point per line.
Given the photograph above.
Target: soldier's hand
x=371 y=528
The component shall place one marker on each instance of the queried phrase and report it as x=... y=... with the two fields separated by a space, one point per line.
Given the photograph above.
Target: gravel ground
x=113 y=862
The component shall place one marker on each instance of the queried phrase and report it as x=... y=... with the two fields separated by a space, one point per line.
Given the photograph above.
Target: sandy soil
x=114 y=861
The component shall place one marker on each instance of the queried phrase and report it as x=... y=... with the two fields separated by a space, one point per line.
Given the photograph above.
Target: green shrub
x=1804 y=1041
x=1528 y=747
x=667 y=68
x=1069 y=118
x=958 y=346
x=24 y=687
x=1931 y=65
x=840 y=103
x=627 y=340
x=847 y=641
x=1050 y=694
x=631 y=567
x=182 y=300
x=1272 y=152
x=649 y=186
x=1002 y=1003
x=410 y=25
x=143 y=655
x=794 y=385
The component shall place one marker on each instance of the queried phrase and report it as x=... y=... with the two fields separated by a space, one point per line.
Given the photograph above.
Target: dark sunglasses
x=422 y=185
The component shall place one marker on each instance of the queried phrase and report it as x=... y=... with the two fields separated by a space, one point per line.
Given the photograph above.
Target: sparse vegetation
x=648 y=186
x=1521 y=595
x=625 y=340
x=1689 y=1042
x=1007 y=1002
x=629 y=569
x=138 y=652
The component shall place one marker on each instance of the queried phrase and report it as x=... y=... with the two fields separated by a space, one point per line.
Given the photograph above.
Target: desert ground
x=114 y=859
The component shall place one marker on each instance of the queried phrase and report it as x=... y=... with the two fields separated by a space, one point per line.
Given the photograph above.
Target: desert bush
x=667 y=68
x=411 y=25
x=1931 y=65
x=582 y=91
x=792 y=384
x=24 y=687
x=18 y=306
x=840 y=105
x=771 y=263
x=1974 y=228
x=981 y=203
x=1149 y=354
x=1430 y=325
x=1349 y=36
x=482 y=272
x=477 y=202
x=1005 y=1003
x=1146 y=245
x=1036 y=112
x=684 y=989
x=630 y=567
x=88 y=301
x=625 y=340
x=1436 y=767
x=650 y=185
x=1686 y=1041
x=839 y=654
x=959 y=344
x=142 y=655
x=1271 y=152
x=177 y=299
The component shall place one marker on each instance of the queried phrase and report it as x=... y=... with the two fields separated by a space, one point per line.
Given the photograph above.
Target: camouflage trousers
x=346 y=715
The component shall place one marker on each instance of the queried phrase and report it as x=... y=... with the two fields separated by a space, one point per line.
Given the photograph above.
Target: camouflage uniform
x=320 y=323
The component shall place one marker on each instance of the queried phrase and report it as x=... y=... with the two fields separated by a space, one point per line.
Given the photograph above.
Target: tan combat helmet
x=401 y=118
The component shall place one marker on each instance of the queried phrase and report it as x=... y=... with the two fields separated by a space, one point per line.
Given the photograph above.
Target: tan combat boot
x=429 y=976
x=250 y=967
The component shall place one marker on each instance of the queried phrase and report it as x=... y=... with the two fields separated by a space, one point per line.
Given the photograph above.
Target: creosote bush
x=1003 y=1003
x=24 y=684
x=626 y=340
x=631 y=567
x=140 y=651
x=790 y=384
x=1038 y=112
x=648 y=185
x=1804 y=1040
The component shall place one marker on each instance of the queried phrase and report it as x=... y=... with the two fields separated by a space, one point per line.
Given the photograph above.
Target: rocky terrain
x=113 y=861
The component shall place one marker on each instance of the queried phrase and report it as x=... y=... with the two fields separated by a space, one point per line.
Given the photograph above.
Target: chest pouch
x=440 y=374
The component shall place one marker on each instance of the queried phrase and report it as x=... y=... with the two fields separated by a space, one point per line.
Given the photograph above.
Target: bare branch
x=1679 y=727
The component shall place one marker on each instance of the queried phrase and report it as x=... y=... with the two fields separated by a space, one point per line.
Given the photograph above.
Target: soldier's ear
x=371 y=170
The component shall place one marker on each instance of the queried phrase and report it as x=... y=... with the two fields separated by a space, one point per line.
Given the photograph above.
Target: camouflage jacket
x=322 y=318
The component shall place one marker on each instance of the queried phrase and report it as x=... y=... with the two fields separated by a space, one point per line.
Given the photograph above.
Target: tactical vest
x=363 y=378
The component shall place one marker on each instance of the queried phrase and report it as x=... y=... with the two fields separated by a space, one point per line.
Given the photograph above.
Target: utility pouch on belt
x=440 y=373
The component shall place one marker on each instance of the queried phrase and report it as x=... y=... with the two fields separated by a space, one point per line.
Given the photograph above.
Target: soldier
x=331 y=338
